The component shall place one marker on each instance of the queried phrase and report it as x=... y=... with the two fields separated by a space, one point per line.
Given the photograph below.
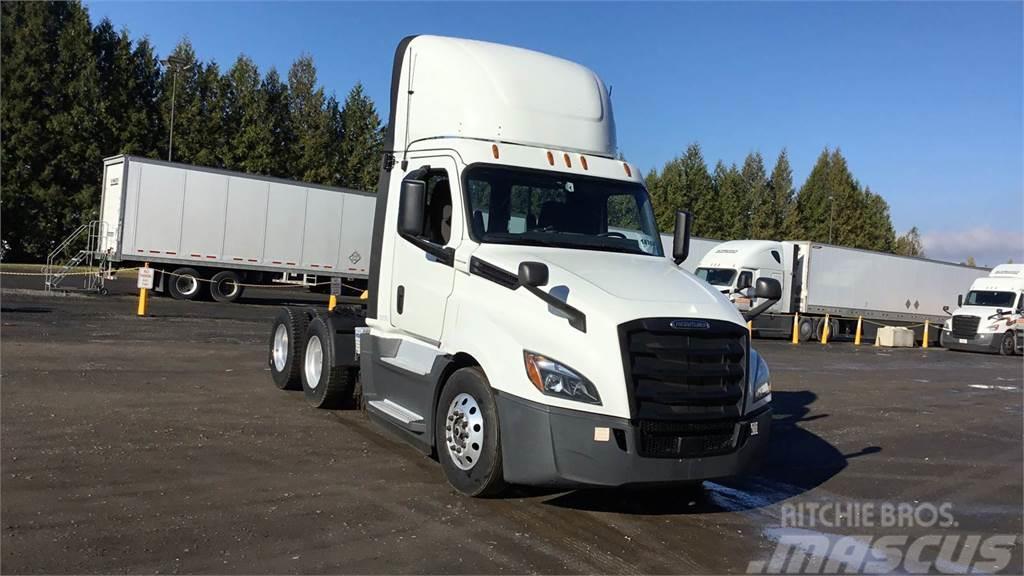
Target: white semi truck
x=209 y=231
x=844 y=283
x=989 y=318
x=512 y=327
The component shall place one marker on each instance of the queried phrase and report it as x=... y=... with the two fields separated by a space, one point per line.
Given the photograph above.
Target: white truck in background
x=844 y=283
x=523 y=323
x=214 y=230
x=989 y=318
x=699 y=247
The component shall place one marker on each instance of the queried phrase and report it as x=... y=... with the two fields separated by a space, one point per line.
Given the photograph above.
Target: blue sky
x=924 y=99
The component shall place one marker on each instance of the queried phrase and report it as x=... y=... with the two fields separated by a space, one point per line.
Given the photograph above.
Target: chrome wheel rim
x=186 y=285
x=280 y=352
x=464 y=431
x=314 y=361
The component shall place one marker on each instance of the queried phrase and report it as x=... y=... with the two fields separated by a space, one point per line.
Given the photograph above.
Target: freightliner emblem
x=690 y=324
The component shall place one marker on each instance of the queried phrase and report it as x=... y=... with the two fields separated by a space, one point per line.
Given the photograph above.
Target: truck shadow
x=797 y=461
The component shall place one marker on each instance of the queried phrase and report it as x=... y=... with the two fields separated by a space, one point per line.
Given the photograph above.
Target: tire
x=467 y=405
x=185 y=284
x=287 y=347
x=225 y=286
x=324 y=384
x=806 y=329
x=1007 y=346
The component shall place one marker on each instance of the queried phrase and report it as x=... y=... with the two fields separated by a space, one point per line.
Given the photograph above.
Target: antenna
x=408 y=104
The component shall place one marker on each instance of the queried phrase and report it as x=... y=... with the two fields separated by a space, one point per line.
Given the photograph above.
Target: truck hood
x=621 y=286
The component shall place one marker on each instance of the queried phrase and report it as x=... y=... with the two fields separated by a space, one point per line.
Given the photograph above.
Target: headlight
x=760 y=378
x=555 y=379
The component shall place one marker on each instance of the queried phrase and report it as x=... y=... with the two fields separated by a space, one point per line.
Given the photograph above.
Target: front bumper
x=547 y=446
x=978 y=343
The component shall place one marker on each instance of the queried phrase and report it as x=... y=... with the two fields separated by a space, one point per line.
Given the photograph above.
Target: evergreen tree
x=28 y=52
x=733 y=206
x=909 y=244
x=784 y=222
x=278 y=121
x=362 y=141
x=250 y=147
x=761 y=208
x=312 y=124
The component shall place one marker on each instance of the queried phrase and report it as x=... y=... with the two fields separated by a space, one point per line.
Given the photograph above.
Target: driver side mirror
x=959 y=300
x=412 y=207
x=681 y=236
x=768 y=288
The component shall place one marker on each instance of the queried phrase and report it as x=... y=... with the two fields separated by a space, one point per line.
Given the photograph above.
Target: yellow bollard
x=750 y=329
x=924 y=343
x=143 y=297
x=796 y=328
x=365 y=295
x=824 y=331
x=856 y=337
x=332 y=303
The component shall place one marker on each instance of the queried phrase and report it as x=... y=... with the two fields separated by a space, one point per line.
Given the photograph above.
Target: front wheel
x=1007 y=346
x=467 y=434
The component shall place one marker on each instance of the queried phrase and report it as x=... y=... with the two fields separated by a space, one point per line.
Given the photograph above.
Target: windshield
x=537 y=208
x=716 y=276
x=988 y=298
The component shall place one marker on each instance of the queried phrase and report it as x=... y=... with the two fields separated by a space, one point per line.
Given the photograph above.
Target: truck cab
x=987 y=319
x=523 y=322
x=732 y=267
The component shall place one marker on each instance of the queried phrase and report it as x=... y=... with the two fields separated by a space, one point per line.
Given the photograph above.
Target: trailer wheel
x=466 y=434
x=225 y=286
x=325 y=385
x=806 y=329
x=185 y=284
x=287 y=347
x=1007 y=346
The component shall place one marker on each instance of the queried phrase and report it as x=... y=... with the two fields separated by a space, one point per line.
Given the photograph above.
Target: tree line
x=746 y=202
x=74 y=93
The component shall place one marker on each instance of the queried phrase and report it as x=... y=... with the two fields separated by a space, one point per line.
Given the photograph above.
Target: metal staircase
x=69 y=256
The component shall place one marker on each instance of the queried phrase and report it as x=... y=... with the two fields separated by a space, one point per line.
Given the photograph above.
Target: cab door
x=421 y=281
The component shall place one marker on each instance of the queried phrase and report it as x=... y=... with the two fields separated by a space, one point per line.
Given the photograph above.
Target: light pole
x=176 y=63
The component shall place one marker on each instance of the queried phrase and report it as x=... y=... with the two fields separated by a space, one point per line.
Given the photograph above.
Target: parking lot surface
x=159 y=444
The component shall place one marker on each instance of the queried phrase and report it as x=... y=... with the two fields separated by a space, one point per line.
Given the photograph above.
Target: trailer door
x=110 y=206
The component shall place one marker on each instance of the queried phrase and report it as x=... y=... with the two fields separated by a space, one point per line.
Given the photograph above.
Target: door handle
x=400 y=299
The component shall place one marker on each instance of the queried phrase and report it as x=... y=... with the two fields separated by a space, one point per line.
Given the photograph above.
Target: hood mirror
x=681 y=236
x=959 y=300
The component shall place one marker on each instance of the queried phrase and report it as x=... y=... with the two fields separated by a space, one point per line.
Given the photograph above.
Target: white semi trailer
x=229 y=228
x=844 y=283
x=522 y=322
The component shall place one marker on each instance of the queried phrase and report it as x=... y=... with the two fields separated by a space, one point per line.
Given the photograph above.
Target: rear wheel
x=225 y=286
x=324 y=384
x=1007 y=346
x=287 y=347
x=467 y=436
x=806 y=329
x=185 y=284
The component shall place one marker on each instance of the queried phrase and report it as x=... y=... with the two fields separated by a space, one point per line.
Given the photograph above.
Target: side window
x=745 y=276
x=437 y=225
x=1020 y=303
x=777 y=256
